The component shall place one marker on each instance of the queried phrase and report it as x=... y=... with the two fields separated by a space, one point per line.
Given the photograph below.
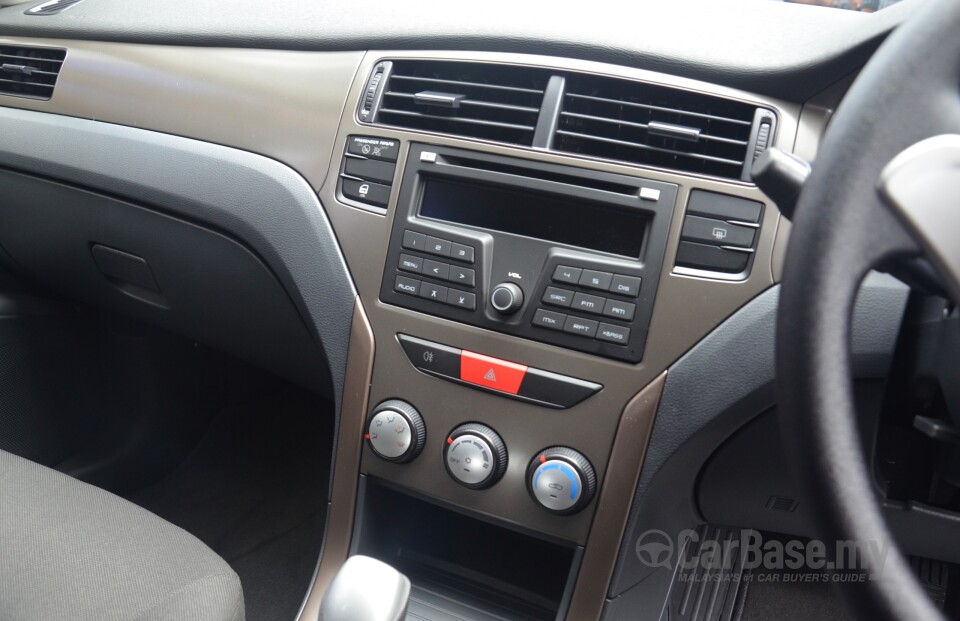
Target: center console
x=523 y=305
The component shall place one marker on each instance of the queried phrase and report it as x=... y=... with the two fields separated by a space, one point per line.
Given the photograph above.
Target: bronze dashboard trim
x=616 y=498
x=687 y=308
x=340 y=515
x=285 y=105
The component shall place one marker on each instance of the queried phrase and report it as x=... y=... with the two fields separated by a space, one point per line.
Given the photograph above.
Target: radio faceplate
x=584 y=299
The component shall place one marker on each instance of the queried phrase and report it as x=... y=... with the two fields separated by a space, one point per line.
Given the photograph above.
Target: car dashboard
x=493 y=252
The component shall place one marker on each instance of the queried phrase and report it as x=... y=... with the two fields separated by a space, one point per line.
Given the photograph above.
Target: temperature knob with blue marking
x=561 y=480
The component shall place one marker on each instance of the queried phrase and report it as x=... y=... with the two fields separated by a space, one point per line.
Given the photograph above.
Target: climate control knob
x=507 y=298
x=561 y=480
x=396 y=431
x=475 y=456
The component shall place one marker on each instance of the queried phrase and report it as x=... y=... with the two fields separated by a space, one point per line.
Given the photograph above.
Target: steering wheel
x=885 y=188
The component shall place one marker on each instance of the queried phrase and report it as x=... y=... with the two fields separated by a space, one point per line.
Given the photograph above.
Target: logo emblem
x=655 y=549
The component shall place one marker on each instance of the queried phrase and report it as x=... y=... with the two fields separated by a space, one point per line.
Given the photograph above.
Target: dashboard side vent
x=29 y=71
x=655 y=126
x=493 y=102
x=52 y=7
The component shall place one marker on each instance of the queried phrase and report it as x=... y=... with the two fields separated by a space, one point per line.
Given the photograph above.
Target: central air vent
x=654 y=126
x=29 y=71
x=492 y=102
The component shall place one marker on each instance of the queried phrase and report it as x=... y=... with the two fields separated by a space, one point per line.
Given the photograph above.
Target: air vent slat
x=29 y=71
x=660 y=109
x=14 y=57
x=473 y=102
x=654 y=125
x=637 y=145
x=500 y=103
x=26 y=70
x=531 y=91
x=645 y=126
x=51 y=8
x=27 y=83
x=457 y=119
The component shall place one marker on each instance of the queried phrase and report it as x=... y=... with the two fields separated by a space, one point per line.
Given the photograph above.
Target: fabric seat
x=69 y=550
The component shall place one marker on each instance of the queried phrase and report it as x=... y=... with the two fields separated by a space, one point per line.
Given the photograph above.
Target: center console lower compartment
x=462 y=566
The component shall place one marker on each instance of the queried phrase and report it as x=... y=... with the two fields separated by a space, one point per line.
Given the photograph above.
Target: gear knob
x=366 y=589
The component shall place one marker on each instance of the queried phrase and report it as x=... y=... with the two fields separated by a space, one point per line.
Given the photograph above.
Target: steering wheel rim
x=844 y=227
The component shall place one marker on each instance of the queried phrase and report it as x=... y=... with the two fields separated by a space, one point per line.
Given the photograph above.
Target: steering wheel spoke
x=922 y=187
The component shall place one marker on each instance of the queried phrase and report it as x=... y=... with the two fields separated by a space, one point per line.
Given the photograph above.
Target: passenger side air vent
x=29 y=71
x=52 y=7
x=492 y=102
x=657 y=126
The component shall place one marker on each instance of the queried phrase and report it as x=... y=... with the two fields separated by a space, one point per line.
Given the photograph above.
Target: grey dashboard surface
x=700 y=389
x=774 y=48
x=257 y=200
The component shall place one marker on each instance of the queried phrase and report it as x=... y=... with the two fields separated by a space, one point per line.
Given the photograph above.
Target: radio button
x=625 y=285
x=619 y=310
x=461 y=299
x=570 y=275
x=462 y=275
x=410 y=263
x=549 y=319
x=593 y=279
x=588 y=303
x=461 y=252
x=583 y=327
x=558 y=297
x=438 y=246
x=613 y=334
x=414 y=241
x=406 y=285
x=435 y=269
x=433 y=292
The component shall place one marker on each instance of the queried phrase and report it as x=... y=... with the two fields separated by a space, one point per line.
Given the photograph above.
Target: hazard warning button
x=491 y=372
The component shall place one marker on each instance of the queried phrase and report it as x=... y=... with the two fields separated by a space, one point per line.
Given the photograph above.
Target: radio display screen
x=542 y=216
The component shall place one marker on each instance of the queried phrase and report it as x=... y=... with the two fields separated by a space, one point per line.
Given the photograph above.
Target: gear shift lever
x=366 y=589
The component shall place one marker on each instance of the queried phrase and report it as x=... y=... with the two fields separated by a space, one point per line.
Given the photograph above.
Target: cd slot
x=525 y=174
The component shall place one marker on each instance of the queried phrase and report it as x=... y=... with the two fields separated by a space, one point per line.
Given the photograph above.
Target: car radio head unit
x=556 y=254
x=600 y=227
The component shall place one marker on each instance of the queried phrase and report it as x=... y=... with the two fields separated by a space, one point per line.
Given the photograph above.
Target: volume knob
x=507 y=298
x=395 y=431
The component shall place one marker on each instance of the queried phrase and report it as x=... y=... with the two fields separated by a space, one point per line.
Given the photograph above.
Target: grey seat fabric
x=69 y=550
